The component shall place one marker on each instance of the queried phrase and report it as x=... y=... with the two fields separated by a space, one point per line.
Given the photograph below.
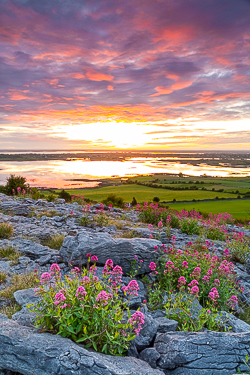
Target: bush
x=16 y=184
x=85 y=220
x=10 y=253
x=134 y=202
x=6 y=230
x=88 y=310
x=156 y=199
x=65 y=195
x=114 y=200
x=51 y=197
x=239 y=248
x=190 y=227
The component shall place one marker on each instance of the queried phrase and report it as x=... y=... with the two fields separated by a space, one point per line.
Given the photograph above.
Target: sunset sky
x=148 y=74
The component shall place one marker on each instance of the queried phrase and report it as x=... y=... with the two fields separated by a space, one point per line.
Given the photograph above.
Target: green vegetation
x=114 y=200
x=6 y=230
x=3 y=277
x=10 y=309
x=10 y=253
x=237 y=208
x=19 y=282
x=15 y=184
x=55 y=242
x=145 y=193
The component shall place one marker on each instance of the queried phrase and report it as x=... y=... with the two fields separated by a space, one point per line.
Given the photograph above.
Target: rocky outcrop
x=27 y=351
x=206 y=353
x=121 y=250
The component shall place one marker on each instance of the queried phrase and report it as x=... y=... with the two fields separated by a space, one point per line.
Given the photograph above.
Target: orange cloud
x=77 y=75
x=110 y=87
x=93 y=75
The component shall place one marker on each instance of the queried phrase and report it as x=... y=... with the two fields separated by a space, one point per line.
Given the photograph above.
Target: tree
x=134 y=202
x=156 y=199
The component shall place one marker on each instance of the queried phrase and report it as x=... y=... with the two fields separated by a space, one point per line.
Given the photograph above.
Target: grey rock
x=45 y=259
x=196 y=353
x=230 y=323
x=122 y=251
x=25 y=296
x=166 y=325
x=157 y=314
x=147 y=333
x=30 y=352
x=248 y=265
x=24 y=317
x=150 y=355
x=3 y=318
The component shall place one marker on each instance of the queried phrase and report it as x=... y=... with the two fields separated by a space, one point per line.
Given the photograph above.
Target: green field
x=144 y=193
x=238 y=208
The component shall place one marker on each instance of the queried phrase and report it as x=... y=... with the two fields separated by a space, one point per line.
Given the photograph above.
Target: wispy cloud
x=77 y=62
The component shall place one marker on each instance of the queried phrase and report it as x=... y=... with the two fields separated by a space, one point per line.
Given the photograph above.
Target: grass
x=10 y=309
x=10 y=253
x=51 y=213
x=6 y=230
x=145 y=193
x=55 y=242
x=3 y=277
x=237 y=208
x=19 y=282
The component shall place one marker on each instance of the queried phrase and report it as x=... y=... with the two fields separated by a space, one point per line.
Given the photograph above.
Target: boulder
x=147 y=333
x=25 y=296
x=121 y=250
x=206 y=353
x=27 y=351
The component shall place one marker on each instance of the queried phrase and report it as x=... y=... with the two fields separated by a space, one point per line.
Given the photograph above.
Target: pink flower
x=185 y=264
x=181 y=281
x=194 y=290
x=160 y=224
x=80 y=291
x=193 y=282
x=103 y=297
x=152 y=266
x=136 y=320
x=109 y=263
x=213 y=295
x=75 y=270
x=85 y=280
x=45 y=278
x=94 y=258
x=59 y=297
x=131 y=288
x=72 y=212
x=217 y=282
x=55 y=268
x=88 y=255
x=150 y=236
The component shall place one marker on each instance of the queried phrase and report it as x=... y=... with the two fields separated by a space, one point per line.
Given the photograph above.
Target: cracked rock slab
x=206 y=353
x=121 y=250
x=25 y=350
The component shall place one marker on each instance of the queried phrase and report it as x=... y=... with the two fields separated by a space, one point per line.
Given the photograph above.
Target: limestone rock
x=26 y=350
x=121 y=250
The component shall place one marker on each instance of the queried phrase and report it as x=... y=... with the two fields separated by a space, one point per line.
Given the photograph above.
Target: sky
x=109 y=74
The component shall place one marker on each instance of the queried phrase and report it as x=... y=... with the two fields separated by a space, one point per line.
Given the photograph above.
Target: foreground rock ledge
x=26 y=351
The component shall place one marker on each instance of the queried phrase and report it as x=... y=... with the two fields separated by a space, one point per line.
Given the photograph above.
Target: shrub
x=85 y=220
x=88 y=310
x=211 y=280
x=35 y=193
x=101 y=219
x=65 y=195
x=134 y=202
x=239 y=248
x=15 y=184
x=190 y=226
x=156 y=199
x=55 y=242
x=9 y=310
x=114 y=200
x=51 y=197
x=6 y=230
x=215 y=233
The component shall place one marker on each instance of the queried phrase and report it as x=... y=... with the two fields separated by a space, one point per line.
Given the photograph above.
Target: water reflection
x=61 y=173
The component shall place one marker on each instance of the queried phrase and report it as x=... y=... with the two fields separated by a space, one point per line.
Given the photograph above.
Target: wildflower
x=181 y=282
x=85 y=280
x=213 y=294
x=63 y=306
x=194 y=290
x=160 y=224
x=131 y=288
x=109 y=263
x=196 y=272
x=185 y=264
x=217 y=282
x=193 y=282
x=103 y=297
x=136 y=257
x=152 y=266
x=150 y=236
x=137 y=319
x=80 y=291
x=55 y=268
x=94 y=258
x=45 y=278
x=59 y=297
x=71 y=212
x=88 y=255
x=75 y=270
